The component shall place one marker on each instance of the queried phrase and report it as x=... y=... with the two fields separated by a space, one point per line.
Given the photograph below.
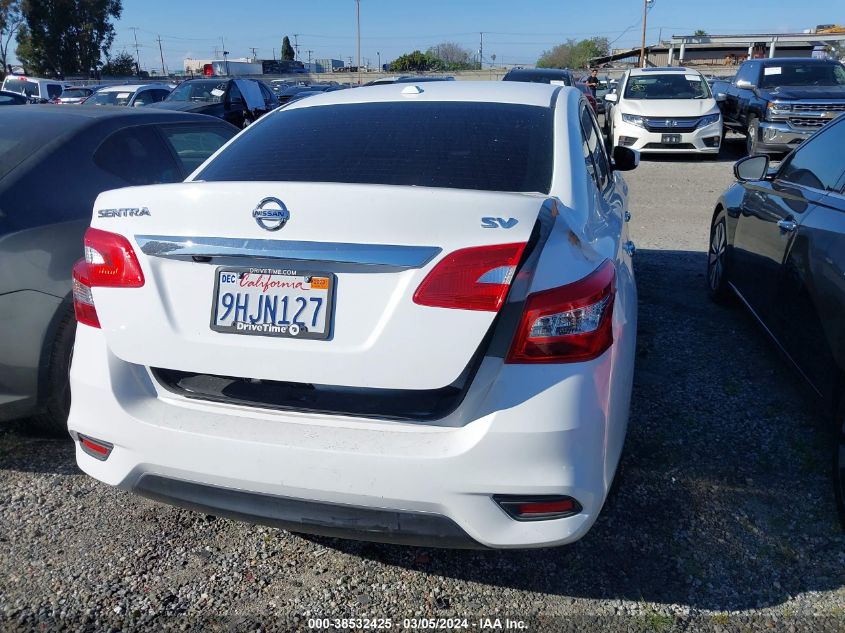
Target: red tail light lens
x=538 y=507
x=98 y=449
x=475 y=278
x=109 y=262
x=568 y=324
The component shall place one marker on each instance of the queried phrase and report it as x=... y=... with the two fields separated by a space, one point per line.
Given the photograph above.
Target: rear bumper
x=324 y=519
x=521 y=430
x=781 y=137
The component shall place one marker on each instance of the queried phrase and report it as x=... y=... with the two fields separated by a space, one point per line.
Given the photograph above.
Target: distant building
x=727 y=50
x=328 y=65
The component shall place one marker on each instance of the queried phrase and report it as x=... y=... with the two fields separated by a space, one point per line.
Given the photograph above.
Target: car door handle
x=629 y=248
x=787 y=226
x=627 y=216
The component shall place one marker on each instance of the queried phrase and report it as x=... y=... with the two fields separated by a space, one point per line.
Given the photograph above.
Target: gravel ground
x=723 y=519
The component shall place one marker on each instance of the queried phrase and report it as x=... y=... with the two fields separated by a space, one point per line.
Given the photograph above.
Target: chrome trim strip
x=383 y=255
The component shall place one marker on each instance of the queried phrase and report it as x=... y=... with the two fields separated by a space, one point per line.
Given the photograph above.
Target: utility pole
x=646 y=5
x=309 y=57
x=481 y=52
x=161 y=52
x=252 y=48
x=274 y=54
x=225 y=55
x=296 y=45
x=379 y=60
x=358 y=15
x=137 y=55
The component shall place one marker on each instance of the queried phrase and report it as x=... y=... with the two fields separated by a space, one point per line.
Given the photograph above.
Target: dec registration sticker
x=283 y=303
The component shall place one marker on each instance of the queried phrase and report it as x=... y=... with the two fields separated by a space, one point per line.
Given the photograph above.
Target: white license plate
x=284 y=303
x=671 y=139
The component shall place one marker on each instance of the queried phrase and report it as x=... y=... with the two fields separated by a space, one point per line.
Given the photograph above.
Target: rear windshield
x=199 y=91
x=110 y=97
x=802 y=74
x=667 y=86
x=486 y=146
x=540 y=78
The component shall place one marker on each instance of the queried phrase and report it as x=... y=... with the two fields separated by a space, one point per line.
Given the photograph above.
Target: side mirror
x=743 y=84
x=237 y=101
x=752 y=168
x=611 y=96
x=720 y=97
x=625 y=158
x=139 y=103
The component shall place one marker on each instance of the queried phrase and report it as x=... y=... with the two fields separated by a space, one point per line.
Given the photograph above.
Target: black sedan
x=236 y=101
x=53 y=164
x=777 y=240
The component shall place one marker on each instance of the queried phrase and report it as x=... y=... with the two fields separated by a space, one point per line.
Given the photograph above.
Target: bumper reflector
x=538 y=507
x=97 y=449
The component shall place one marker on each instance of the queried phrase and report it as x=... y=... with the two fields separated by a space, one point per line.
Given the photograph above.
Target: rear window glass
x=193 y=144
x=486 y=146
x=28 y=88
x=540 y=78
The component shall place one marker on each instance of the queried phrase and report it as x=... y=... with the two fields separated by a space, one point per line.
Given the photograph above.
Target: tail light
x=568 y=324
x=538 y=507
x=475 y=278
x=109 y=262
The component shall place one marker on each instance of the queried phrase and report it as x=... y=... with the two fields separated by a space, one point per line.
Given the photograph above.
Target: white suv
x=35 y=89
x=664 y=110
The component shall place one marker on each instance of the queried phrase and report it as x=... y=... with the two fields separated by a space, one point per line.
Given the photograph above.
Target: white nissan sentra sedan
x=669 y=110
x=403 y=314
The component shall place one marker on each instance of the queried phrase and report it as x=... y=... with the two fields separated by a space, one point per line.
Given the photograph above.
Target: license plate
x=283 y=303
x=670 y=139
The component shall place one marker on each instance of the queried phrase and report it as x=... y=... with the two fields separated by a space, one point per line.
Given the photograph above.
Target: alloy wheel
x=716 y=256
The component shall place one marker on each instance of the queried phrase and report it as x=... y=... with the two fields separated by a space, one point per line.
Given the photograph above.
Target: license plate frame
x=671 y=139
x=285 y=331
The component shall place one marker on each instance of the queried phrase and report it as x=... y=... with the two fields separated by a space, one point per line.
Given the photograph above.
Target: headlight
x=633 y=119
x=710 y=119
x=777 y=109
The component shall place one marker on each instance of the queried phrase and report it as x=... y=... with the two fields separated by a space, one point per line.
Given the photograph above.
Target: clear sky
x=517 y=32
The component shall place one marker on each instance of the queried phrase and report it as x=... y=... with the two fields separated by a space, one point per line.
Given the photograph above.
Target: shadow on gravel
x=25 y=449
x=725 y=500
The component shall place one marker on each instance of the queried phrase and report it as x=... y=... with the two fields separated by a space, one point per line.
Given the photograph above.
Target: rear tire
x=717 y=260
x=52 y=419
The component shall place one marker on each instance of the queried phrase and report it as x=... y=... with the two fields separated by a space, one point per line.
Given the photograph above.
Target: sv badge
x=495 y=223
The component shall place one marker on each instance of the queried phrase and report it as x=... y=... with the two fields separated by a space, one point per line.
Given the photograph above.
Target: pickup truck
x=778 y=103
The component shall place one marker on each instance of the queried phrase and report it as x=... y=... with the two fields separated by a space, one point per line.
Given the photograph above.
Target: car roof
x=131 y=87
x=664 y=69
x=809 y=60
x=77 y=118
x=513 y=92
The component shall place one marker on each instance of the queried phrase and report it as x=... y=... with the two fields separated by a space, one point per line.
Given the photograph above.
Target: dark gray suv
x=53 y=164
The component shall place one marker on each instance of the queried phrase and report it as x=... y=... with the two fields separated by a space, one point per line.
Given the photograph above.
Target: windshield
x=486 y=146
x=73 y=93
x=112 y=97
x=803 y=74
x=667 y=86
x=202 y=91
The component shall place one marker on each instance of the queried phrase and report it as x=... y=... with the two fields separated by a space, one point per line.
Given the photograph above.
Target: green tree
x=121 y=65
x=287 y=50
x=574 y=54
x=417 y=61
x=700 y=33
x=66 y=37
x=11 y=20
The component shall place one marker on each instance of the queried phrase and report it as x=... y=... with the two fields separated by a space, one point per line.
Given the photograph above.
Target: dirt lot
x=723 y=520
